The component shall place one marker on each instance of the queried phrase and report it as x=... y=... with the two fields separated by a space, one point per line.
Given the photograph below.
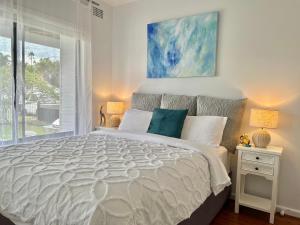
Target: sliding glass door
x=45 y=69
x=42 y=82
x=6 y=84
x=37 y=83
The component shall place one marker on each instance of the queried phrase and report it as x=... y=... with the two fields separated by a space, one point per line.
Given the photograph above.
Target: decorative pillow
x=136 y=120
x=180 y=102
x=167 y=122
x=232 y=109
x=207 y=130
x=145 y=102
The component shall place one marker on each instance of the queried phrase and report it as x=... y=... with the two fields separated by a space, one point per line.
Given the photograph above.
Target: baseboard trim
x=287 y=210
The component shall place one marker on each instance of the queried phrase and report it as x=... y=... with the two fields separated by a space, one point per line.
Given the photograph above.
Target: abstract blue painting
x=184 y=47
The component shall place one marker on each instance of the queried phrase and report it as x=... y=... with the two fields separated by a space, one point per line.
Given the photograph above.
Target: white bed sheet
x=223 y=154
x=107 y=178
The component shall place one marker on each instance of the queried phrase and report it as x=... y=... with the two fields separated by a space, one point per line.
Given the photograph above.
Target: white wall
x=258 y=57
x=102 y=59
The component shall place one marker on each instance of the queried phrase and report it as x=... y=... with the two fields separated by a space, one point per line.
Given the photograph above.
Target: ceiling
x=118 y=2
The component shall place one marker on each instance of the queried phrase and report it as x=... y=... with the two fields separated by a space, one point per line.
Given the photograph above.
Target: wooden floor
x=249 y=217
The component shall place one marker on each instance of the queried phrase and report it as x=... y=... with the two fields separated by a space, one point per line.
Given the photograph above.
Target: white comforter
x=107 y=178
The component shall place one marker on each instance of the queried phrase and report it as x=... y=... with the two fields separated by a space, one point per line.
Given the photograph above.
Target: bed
x=114 y=177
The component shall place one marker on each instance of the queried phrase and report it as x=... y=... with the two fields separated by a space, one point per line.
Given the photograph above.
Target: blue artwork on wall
x=184 y=47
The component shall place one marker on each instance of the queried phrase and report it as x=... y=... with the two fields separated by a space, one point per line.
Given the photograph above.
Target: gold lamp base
x=114 y=121
x=261 y=138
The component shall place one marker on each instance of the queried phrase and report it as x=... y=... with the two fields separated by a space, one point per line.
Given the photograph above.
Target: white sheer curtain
x=45 y=69
x=84 y=68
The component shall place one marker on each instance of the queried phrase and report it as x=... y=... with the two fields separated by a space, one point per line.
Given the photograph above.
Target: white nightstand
x=262 y=162
x=107 y=128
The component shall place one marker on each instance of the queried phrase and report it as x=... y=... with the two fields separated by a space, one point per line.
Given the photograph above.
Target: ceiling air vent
x=97 y=11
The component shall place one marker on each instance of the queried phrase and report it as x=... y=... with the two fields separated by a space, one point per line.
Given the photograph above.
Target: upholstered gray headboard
x=232 y=109
x=146 y=102
x=201 y=106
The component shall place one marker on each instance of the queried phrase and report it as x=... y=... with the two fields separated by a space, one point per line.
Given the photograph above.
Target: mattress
x=107 y=178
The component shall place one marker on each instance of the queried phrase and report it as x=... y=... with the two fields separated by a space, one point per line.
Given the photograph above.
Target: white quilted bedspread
x=107 y=178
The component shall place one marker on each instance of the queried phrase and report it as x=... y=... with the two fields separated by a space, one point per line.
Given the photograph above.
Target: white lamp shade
x=115 y=108
x=264 y=118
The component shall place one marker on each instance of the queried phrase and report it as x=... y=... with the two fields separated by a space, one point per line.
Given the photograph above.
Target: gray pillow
x=180 y=102
x=233 y=109
x=145 y=102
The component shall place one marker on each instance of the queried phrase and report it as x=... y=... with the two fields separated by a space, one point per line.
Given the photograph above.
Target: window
x=45 y=85
x=6 y=90
x=42 y=86
x=45 y=69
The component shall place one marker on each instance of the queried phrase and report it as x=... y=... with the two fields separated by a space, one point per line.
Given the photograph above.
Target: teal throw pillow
x=167 y=122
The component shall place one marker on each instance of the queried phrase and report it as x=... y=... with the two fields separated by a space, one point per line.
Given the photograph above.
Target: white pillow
x=136 y=120
x=207 y=130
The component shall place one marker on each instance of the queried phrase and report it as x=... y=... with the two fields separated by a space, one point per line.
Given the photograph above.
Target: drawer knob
x=257 y=158
x=256 y=168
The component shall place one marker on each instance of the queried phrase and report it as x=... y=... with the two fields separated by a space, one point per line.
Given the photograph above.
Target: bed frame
x=205 y=214
x=5 y=221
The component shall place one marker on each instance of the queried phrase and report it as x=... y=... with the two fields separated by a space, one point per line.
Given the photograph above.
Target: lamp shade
x=264 y=118
x=115 y=108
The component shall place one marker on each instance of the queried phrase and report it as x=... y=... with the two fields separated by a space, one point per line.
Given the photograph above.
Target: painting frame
x=171 y=53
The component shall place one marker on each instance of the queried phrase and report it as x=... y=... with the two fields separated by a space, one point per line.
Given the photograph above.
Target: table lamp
x=115 y=109
x=263 y=119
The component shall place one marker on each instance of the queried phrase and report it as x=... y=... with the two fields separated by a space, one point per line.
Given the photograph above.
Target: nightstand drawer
x=256 y=157
x=258 y=168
